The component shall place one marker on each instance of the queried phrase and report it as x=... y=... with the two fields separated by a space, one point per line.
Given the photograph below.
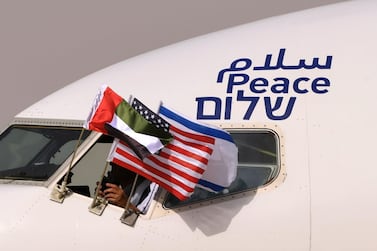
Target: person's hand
x=115 y=195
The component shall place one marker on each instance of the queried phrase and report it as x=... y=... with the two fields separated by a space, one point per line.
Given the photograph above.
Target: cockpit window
x=258 y=164
x=35 y=152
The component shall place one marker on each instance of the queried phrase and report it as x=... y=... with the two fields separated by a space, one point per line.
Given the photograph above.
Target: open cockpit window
x=258 y=165
x=35 y=152
x=92 y=172
x=89 y=169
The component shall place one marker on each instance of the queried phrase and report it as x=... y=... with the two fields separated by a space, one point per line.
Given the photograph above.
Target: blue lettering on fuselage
x=277 y=95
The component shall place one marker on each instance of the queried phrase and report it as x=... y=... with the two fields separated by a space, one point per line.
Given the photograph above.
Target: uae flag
x=179 y=165
x=112 y=115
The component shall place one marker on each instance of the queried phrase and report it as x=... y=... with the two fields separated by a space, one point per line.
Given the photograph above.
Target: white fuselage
x=324 y=197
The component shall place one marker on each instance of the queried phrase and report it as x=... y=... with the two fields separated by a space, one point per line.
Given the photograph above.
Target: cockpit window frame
x=157 y=209
x=59 y=166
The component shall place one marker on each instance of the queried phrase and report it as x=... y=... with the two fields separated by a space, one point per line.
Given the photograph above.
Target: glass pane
x=257 y=165
x=90 y=168
x=35 y=152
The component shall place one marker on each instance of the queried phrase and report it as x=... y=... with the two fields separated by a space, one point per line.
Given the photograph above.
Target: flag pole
x=59 y=192
x=99 y=203
x=129 y=216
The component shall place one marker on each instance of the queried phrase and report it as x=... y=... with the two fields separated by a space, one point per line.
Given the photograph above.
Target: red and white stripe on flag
x=177 y=167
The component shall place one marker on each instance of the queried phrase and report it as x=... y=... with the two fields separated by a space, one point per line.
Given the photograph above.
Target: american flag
x=179 y=165
x=149 y=115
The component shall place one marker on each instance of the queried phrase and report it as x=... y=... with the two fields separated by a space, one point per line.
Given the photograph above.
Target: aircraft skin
x=324 y=196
